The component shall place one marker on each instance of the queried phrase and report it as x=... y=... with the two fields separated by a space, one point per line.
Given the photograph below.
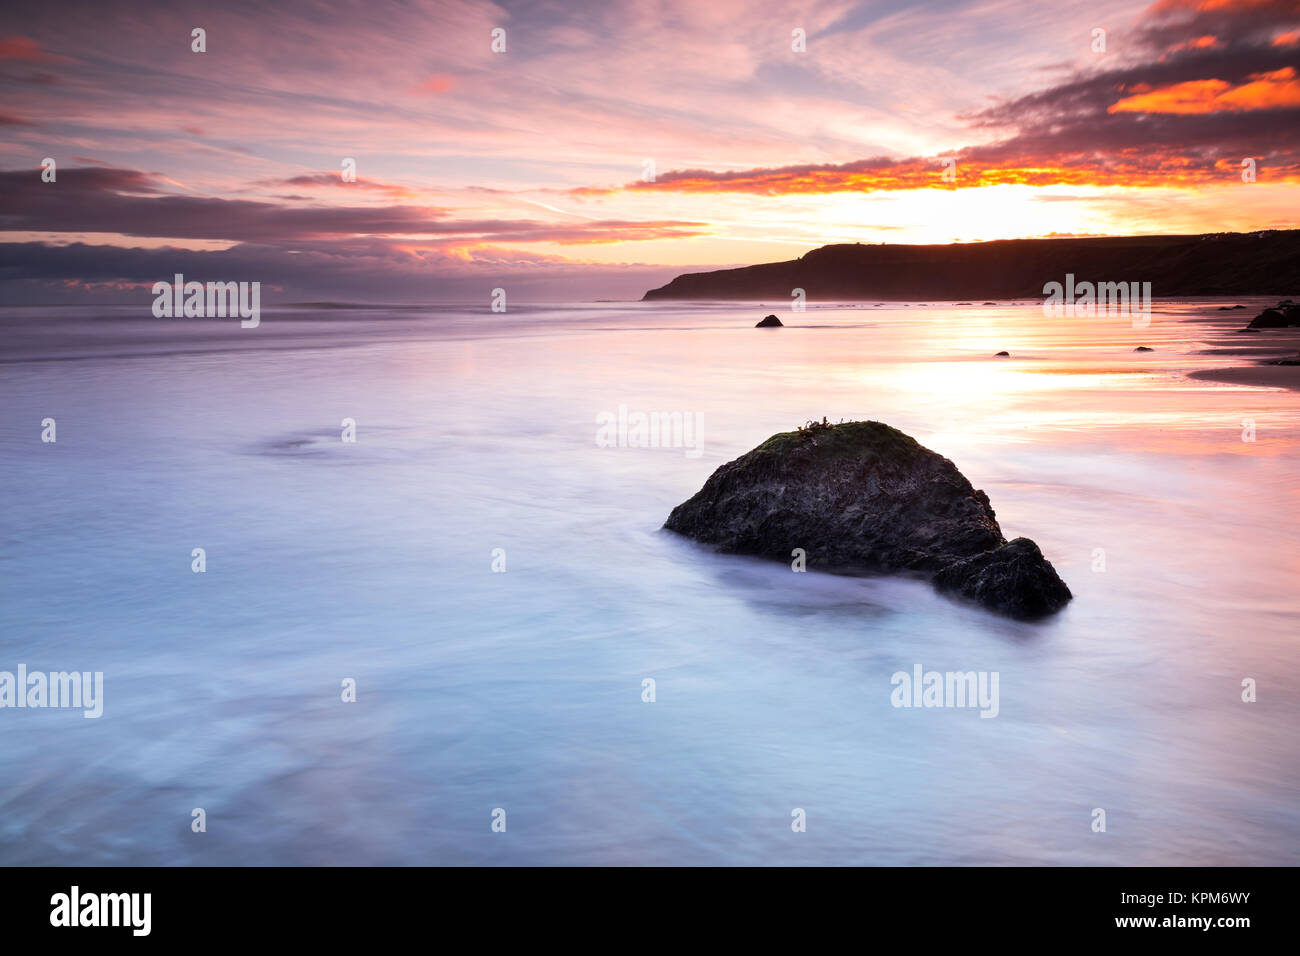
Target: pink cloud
x=438 y=83
x=25 y=48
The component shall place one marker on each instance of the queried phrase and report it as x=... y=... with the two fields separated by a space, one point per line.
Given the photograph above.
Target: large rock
x=769 y=322
x=861 y=498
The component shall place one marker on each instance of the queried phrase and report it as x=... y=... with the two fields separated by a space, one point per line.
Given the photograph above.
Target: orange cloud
x=1132 y=167
x=1287 y=39
x=1266 y=91
x=1166 y=6
x=1200 y=43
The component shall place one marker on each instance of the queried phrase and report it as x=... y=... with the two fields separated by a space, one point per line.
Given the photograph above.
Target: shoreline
x=1259 y=376
x=1277 y=344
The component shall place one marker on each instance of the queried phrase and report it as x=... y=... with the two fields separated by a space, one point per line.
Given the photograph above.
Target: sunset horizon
x=596 y=152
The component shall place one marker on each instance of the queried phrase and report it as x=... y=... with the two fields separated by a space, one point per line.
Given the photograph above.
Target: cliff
x=1261 y=263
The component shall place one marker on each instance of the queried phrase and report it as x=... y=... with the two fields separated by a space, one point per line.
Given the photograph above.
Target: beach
x=497 y=584
x=1264 y=349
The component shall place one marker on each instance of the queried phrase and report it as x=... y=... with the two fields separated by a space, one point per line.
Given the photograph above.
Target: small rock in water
x=1002 y=355
x=1284 y=316
x=770 y=322
x=1143 y=348
x=1268 y=319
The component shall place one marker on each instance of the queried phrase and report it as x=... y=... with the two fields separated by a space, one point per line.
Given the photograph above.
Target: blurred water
x=522 y=690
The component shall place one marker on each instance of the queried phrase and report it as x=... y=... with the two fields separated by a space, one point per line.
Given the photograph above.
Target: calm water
x=522 y=690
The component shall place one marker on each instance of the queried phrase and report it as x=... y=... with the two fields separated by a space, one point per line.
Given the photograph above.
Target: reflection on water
x=522 y=690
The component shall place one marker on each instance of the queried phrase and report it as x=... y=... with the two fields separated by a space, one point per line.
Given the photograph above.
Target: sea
x=383 y=586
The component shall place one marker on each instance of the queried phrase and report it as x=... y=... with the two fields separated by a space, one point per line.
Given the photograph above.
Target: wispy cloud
x=536 y=158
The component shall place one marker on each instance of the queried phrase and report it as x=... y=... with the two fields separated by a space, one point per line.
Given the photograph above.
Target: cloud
x=133 y=203
x=27 y=50
x=329 y=180
x=438 y=83
x=1265 y=91
x=370 y=271
x=465 y=154
x=1169 y=23
x=1157 y=120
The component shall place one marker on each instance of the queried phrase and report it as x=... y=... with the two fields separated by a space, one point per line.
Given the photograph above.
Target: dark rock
x=1143 y=348
x=861 y=498
x=1284 y=316
x=1288 y=361
x=1256 y=331
x=1002 y=355
x=990 y=303
x=770 y=322
x=1015 y=580
x=1268 y=319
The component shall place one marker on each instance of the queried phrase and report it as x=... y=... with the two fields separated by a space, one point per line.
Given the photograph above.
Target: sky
x=572 y=151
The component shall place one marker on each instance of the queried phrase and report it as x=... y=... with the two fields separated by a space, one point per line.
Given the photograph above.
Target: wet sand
x=1264 y=348
x=1269 y=376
